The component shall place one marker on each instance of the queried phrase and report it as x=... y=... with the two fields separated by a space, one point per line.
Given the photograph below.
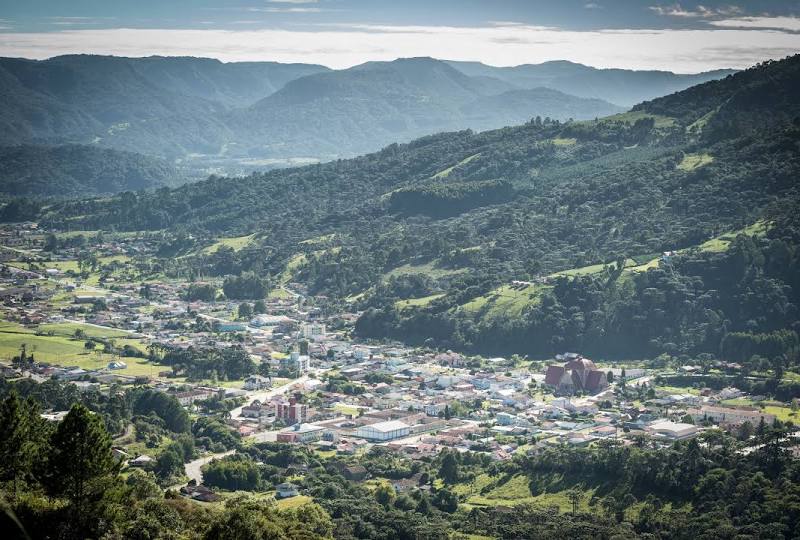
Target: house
x=117 y=365
x=286 y=490
x=257 y=382
x=384 y=431
x=579 y=374
x=258 y=410
x=141 y=461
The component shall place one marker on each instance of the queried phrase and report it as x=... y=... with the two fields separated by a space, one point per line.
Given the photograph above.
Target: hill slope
x=355 y=110
x=619 y=86
x=79 y=171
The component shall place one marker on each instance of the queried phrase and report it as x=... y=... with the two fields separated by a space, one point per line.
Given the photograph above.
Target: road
x=193 y=467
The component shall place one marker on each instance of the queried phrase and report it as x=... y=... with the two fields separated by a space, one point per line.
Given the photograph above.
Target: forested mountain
x=355 y=110
x=619 y=86
x=79 y=171
x=448 y=221
x=229 y=116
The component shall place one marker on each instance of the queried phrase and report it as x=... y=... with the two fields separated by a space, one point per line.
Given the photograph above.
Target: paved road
x=193 y=467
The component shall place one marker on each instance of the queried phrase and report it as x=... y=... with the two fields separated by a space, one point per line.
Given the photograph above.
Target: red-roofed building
x=578 y=375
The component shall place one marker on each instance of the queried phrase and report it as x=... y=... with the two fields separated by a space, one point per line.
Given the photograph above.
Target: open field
x=60 y=350
x=691 y=162
x=236 y=243
x=417 y=302
x=445 y=173
x=506 y=300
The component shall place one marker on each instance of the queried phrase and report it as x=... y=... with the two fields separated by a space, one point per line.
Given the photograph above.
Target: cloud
x=285 y=10
x=685 y=50
x=592 y=5
x=700 y=12
x=791 y=24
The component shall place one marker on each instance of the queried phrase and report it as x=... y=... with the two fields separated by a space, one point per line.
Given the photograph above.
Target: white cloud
x=677 y=50
x=791 y=24
x=285 y=10
x=700 y=12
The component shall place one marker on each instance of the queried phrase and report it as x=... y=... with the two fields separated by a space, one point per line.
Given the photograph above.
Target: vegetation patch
x=691 y=162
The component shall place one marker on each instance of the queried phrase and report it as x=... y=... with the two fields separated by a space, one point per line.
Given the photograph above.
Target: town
x=287 y=370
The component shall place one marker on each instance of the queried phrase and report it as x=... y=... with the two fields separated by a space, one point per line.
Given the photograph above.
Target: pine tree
x=80 y=464
x=16 y=445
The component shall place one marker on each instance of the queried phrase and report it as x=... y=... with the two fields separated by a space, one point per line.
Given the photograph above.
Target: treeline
x=442 y=199
x=226 y=363
x=740 y=304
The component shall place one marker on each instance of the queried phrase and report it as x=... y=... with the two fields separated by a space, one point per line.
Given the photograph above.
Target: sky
x=684 y=37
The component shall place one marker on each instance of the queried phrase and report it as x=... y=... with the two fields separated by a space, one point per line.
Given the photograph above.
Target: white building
x=312 y=331
x=731 y=415
x=672 y=430
x=384 y=431
x=257 y=382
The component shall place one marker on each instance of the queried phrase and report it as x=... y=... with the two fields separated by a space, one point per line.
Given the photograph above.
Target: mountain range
x=213 y=117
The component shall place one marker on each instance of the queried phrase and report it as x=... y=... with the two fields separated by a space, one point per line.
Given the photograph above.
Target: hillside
x=622 y=87
x=465 y=214
x=374 y=104
x=80 y=171
x=235 y=117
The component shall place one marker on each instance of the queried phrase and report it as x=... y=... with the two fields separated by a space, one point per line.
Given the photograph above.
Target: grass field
x=559 y=141
x=428 y=268
x=235 y=242
x=294 y=502
x=506 y=300
x=60 y=350
x=691 y=162
x=445 y=173
x=502 y=491
x=417 y=302
x=292 y=265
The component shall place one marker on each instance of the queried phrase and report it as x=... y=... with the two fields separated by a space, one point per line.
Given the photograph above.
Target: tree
x=448 y=471
x=575 y=497
x=245 y=310
x=17 y=443
x=89 y=345
x=745 y=431
x=259 y=307
x=80 y=465
x=384 y=494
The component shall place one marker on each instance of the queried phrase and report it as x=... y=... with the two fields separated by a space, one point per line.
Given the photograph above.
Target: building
x=291 y=412
x=578 y=374
x=672 y=430
x=384 y=431
x=257 y=382
x=195 y=394
x=286 y=490
x=296 y=362
x=734 y=416
x=312 y=331
x=301 y=433
x=258 y=410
